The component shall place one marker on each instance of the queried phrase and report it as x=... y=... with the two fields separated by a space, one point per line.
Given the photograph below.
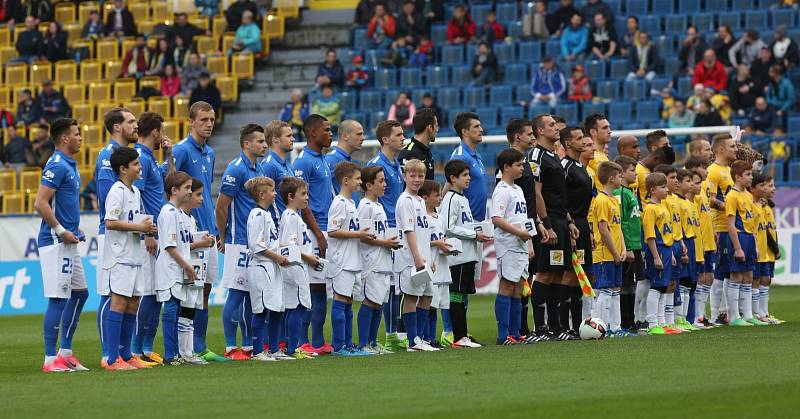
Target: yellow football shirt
x=656 y=223
x=594 y=163
x=641 y=187
x=706 y=228
x=606 y=208
x=674 y=207
x=719 y=184
x=740 y=205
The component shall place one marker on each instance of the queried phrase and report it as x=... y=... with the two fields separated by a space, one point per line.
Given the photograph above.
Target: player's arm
x=42 y=206
x=311 y=222
x=649 y=232
x=541 y=211
x=509 y=228
x=336 y=227
x=452 y=225
x=411 y=238
x=203 y=243
x=187 y=268
x=605 y=235
x=651 y=244
x=145 y=226
x=221 y=214
x=734 y=237
x=169 y=163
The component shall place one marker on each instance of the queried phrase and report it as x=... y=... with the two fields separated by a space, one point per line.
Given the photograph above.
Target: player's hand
x=628 y=256
x=659 y=265
x=573 y=231
x=674 y=262
x=69 y=237
x=322 y=244
x=573 y=243
x=393 y=243
x=778 y=255
x=208 y=240
x=420 y=266
x=433 y=267
x=151 y=244
x=480 y=237
x=314 y=261
x=591 y=240
x=147 y=226
x=282 y=261
x=552 y=238
x=617 y=259
x=685 y=259
x=441 y=245
x=221 y=246
x=543 y=235
x=738 y=254
x=531 y=253
x=166 y=146
x=190 y=273
x=365 y=234
x=684 y=251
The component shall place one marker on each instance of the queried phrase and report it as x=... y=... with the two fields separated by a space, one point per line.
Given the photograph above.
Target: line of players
x=265 y=290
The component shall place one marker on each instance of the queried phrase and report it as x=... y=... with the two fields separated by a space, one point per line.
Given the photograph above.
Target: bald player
x=628 y=145
x=598 y=128
x=351 y=137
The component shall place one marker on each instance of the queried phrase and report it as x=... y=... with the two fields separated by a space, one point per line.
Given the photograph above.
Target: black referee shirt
x=548 y=171
x=417 y=150
x=579 y=187
x=526 y=183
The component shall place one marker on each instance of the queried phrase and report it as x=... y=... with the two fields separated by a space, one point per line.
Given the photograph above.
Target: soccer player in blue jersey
x=151 y=186
x=194 y=156
x=122 y=127
x=312 y=167
x=233 y=207
x=276 y=164
x=58 y=202
x=351 y=137
x=390 y=136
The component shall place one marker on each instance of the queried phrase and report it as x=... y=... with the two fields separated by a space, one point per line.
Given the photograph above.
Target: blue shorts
x=676 y=270
x=748 y=243
x=689 y=270
x=658 y=278
x=764 y=269
x=709 y=257
x=722 y=268
x=607 y=275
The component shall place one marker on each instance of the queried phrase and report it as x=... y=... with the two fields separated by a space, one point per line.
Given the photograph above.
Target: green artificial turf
x=725 y=372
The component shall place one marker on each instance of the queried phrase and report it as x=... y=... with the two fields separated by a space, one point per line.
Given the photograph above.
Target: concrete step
x=296 y=56
x=328 y=17
x=316 y=36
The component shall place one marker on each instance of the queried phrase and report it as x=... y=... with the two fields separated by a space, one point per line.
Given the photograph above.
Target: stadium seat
x=107 y=49
x=410 y=77
x=755 y=19
x=82 y=111
x=659 y=83
x=523 y=93
x=29 y=179
x=153 y=82
x=651 y=24
x=74 y=92
x=716 y=5
x=568 y=111
x=619 y=68
x=91 y=70
x=688 y=6
x=647 y=111
x=461 y=75
x=637 y=7
x=595 y=69
x=794 y=125
x=783 y=17
x=65 y=13
x=509 y=112
x=112 y=69
x=5 y=35
x=180 y=108
x=506 y=12
x=14 y=203
x=743 y=5
x=92 y=134
x=704 y=22
x=418 y=94
x=608 y=89
x=552 y=49
x=435 y=76
x=66 y=72
x=243 y=66
x=529 y=52
x=675 y=24
x=666 y=45
x=500 y=95
x=172 y=130
x=103 y=107
x=385 y=78
x=488 y=117
x=8 y=180
x=438 y=33
x=206 y=44
x=369 y=100
x=16 y=74
x=593 y=107
x=516 y=73
x=228 y=87
x=635 y=89
x=124 y=89
x=537 y=110
x=478 y=12
x=504 y=52
x=620 y=111
x=672 y=67
x=161 y=105
x=474 y=96
x=731 y=19
x=389 y=97
x=776 y=171
x=685 y=86
x=217 y=64
x=99 y=91
x=663 y=7
x=794 y=171
x=452 y=55
x=347 y=98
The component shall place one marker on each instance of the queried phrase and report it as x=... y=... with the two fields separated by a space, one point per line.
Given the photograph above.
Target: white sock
x=615 y=314
x=65 y=352
x=598 y=310
x=184 y=336
x=700 y=297
x=640 y=301
x=723 y=303
x=587 y=306
x=651 y=304
x=669 y=309
x=764 y=300
x=662 y=305
x=685 y=301
x=732 y=294
x=746 y=300
x=755 y=301
x=49 y=358
x=717 y=290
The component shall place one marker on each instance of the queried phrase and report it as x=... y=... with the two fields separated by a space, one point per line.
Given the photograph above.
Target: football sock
x=564 y=295
x=245 y=325
x=258 y=323
x=662 y=304
x=626 y=309
x=52 y=319
x=169 y=328
x=375 y=324
x=715 y=295
x=502 y=313
x=732 y=294
x=524 y=329
x=640 y=303
x=410 y=320
x=71 y=315
x=746 y=300
x=113 y=326
x=598 y=310
x=390 y=311
x=294 y=320
x=305 y=324
x=274 y=320
x=690 y=306
x=422 y=322
x=283 y=328
x=447 y=325
x=684 y=301
x=651 y=303
x=515 y=316
x=538 y=303
x=457 y=316
x=723 y=302
x=143 y=323
x=754 y=303
x=576 y=308
x=364 y=324
x=764 y=300
x=348 y=325
x=430 y=331
x=126 y=334
x=147 y=341
x=231 y=315
x=102 y=313
x=200 y=327
x=319 y=308
x=615 y=311
x=553 y=320
x=184 y=337
x=587 y=306
x=669 y=309
x=337 y=325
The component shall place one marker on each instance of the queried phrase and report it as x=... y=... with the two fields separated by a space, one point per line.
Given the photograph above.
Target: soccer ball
x=592 y=328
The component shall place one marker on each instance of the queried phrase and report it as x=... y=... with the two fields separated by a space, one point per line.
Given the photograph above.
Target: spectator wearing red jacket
x=491 y=31
x=580 y=89
x=357 y=77
x=461 y=28
x=710 y=72
x=382 y=28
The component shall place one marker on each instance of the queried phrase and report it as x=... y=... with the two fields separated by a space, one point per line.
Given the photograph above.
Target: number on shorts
x=66 y=267
x=243 y=259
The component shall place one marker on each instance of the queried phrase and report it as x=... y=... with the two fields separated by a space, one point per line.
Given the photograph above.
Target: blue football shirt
x=151 y=182
x=105 y=177
x=61 y=173
x=276 y=168
x=238 y=172
x=477 y=193
x=394 y=185
x=198 y=162
x=314 y=170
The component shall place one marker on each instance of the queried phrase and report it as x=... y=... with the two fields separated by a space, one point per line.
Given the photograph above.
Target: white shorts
x=125 y=280
x=296 y=291
x=316 y=276
x=148 y=272
x=266 y=287
x=100 y=274
x=62 y=270
x=441 y=296
x=212 y=269
x=407 y=287
x=513 y=266
x=346 y=283
x=234 y=267
x=190 y=296
x=375 y=287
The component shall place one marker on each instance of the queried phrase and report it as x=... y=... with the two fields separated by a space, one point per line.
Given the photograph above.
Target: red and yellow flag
x=583 y=279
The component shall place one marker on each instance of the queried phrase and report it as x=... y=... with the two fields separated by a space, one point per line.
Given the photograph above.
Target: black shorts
x=558 y=257
x=634 y=271
x=463 y=278
x=532 y=262
x=584 y=243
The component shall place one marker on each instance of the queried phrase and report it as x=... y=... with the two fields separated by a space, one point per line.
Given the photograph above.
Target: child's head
x=628 y=165
x=262 y=189
x=431 y=193
x=125 y=163
x=577 y=72
x=178 y=186
x=684 y=181
x=484 y=48
x=697 y=164
x=457 y=174
x=510 y=161
x=671 y=174
x=608 y=173
x=348 y=175
x=327 y=91
x=196 y=198
x=656 y=184
x=491 y=16
x=169 y=69
x=697 y=181
x=414 y=174
x=294 y=192
x=373 y=180
x=742 y=173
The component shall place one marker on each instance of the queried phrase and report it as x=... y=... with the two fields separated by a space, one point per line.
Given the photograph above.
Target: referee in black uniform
x=425 y=128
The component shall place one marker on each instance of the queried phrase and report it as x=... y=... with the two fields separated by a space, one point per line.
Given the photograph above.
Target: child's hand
x=685 y=259
x=629 y=256
x=365 y=234
x=738 y=254
x=674 y=262
x=147 y=226
x=282 y=261
x=659 y=265
x=531 y=253
x=207 y=241
x=480 y=237
x=421 y=265
x=190 y=272
x=617 y=259
x=441 y=245
x=433 y=267
x=393 y=243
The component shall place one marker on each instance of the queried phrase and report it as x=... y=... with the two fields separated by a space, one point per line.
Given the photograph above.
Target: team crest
x=581 y=255
x=557 y=257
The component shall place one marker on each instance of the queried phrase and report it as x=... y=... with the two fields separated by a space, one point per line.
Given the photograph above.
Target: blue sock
x=258 y=322
x=200 y=327
x=150 y=336
x=515 y=317
x=391 y=311
x=231 y=313
x=394 y=300
x=273 y=330
x=690 y=314
x=245 y=324
x=113 y=332
x=283 y=332
x=319 y=308
x=373 y=327
x=447 y=327
x=294 y=320
x=102 y=313
x=305 y=325
x=502 y=312
x=430 y=333
x=348 y=325
x=126 y=334
x=71 y=315
x=387 y=314
x=52 y=319
x=142 y=323
x=422 y=322
x=337 y=324
x=364 y=325
x=169 y=328
x=410 y=320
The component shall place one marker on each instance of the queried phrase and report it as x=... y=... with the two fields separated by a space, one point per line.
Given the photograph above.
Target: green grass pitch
x=724 y=372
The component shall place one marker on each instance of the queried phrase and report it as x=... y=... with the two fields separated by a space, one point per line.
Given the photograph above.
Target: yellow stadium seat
x=104 y=107
x=5 y=35
x=41 y=71
x=14 y=203
x=146 y=26
x=16 y=94
x=227 y=41
x=65 y=13
x=83 y=112
x=73 y=30
x=66 y=72
x=80 y=157
x=206 y=44
x=184 y=6
x=181 y=108
x=99 y=91
x=218 y=26
x=94 y=151
x=7 y=53
x=32 y=203
x=16 y=74
x=124 y=89
x=135 y=105
x=264 y=45
x=8 y=181
x=228 y=86
x=217 y=64
x=91 y=70
x=92 y=134
x=273 y=26
x=171 y=130
x=150 y=81
x=160 y=105
x=113 y=68
x=18 y=29
x=243 y=66
x=127 y=44
x=85 y=7
x=199 y=21
x=29 y=180
x=33 y=130
x=140 y=11
x=288 y=8
x=161 y=11
x=5 y=97
x=107 y=49
x=75 y=92
x=86 y=174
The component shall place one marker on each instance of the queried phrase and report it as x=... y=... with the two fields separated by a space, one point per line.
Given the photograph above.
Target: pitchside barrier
x=21 y=282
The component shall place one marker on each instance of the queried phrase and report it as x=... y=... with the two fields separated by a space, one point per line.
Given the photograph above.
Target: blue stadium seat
x=675 y=24
x=783 y=17
x=435 y=76
x=500 y=95
x=659 y=83
x=523 y=93
x=755 y=19
x=615 y=6
x=666 y=46
x=635 y=89
x=685 y=87
x=509 y=112
x=552 y=49
x=794 y=125
x=593 y=107
x=515 y=30
x=375 y=117
x=620 y=111
x=451 y=117
x=704 y=22
x=516 y=73
x=346 y=55
x=360 y=38
x=369 y=100
x=347 y=99
x=410 y=77
x=475 y=96
x=537 y=110
x=650 y=24
x=777 y=171
x=619 y=68
x=608 y=89
x=794 y=172
x=506 y=13
x=688 y=6
x=389 y=96
x=461 y=75
x=663 y=7
x=637 y=7
x=372 y=57
x=418 y=94
x=385 y=78
x=743 y=5
x=529 y=52
x=478 y=12
x=716 y=5
x=732 y=19
x=438 y=33
x=794 y=33
x=356 y=116
x=504 y=52
x=568 y=111
x=488 y=117
x=672 y=67
x=595 y=69
x=648 y=111
x=453 y=55
x=449 y=97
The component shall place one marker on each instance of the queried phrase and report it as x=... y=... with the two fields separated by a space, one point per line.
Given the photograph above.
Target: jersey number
x=244 y=260
x=66 y=267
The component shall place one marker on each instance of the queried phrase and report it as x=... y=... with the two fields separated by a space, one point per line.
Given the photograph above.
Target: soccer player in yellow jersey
x=663 y=155
x=598 y=128
x=657 y=233
x=762 y=189
x=684 y=197
x=741 y=227
x=678 y=248
x=772 y=254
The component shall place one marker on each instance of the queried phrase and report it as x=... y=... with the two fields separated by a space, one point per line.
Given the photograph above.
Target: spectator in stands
x=484 y=65
x=135 y=62
x=491 y=30
x=602 y=39
x=206 y=92
x=461 y=28
x=93 y=28
x=691 y=52
x=746 y=49
x=534 y=25
x=295 y=112
x=28 y=111
x=630 y=39
x=593 y=7
x=706 y=115
x=423 y=53
x=580 y=88
x=560 y=20
x=328 y=106
x=185 y=30
x=643 y=60
x=780 y=92
x=574 y=39
x=759 y=70
x=158 y=59
x=743 y=90
x=762 y=118
x=17 y=152
x=711 y=72
x=402 y=111
x=357 y=78
x=331 y=72
x=248 y=36
x=170 y=81
x=55 y=43
x=179 y=55
x=432 y=10
x=723 y=43
x=784 y=49
x=364 y=12
x=698 y=95
x=382 y=28
x=410 y=24
x=53 y=105
x=119 y=21
x=235 y=13
x=720 y=102
x=548 y=84
x=681 y=116
x=30 y=42
x=42 y=146
x=191 y=73
x=208 y=8
x=667 y=102
x=398 y=55
x=429 y=102
x=12 y=12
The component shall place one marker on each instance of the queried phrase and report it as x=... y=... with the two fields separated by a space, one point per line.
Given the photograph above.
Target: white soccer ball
x=592 y=328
